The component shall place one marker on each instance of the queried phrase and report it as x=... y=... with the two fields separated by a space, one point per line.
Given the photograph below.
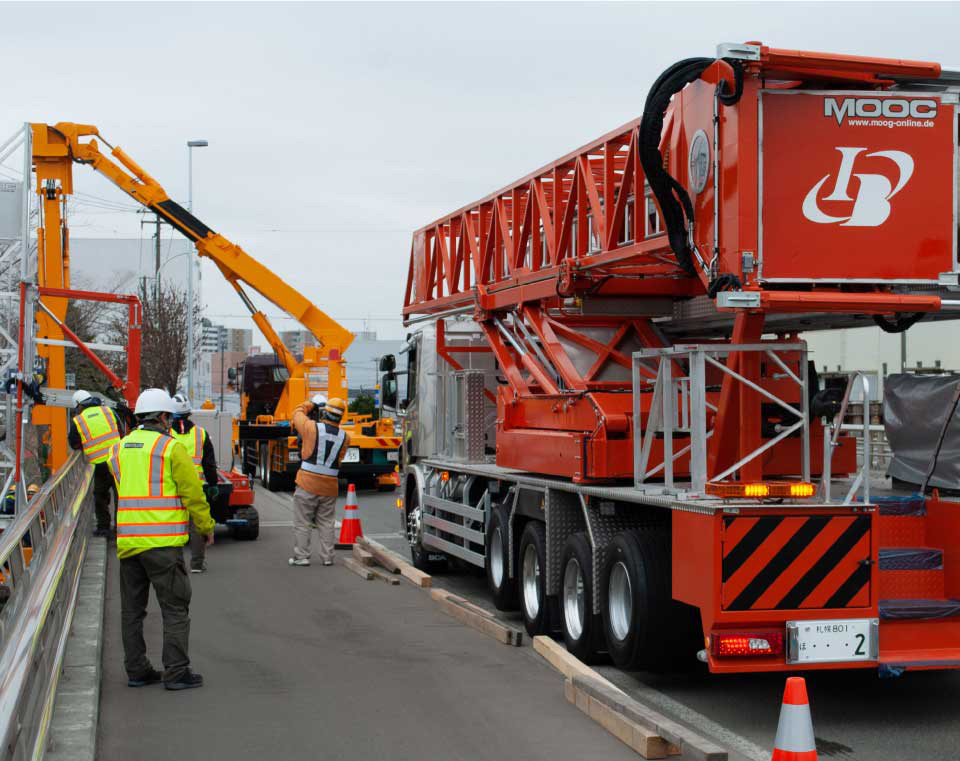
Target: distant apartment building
x=239 y=340
x=296 y=340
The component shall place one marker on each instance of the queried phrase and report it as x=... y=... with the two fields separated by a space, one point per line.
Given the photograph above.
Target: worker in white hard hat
x=160 y=493
x=95 y=428
x=323 y=445
x=200 y=448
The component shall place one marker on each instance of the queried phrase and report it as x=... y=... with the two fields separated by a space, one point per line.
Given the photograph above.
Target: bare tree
x=163 y=356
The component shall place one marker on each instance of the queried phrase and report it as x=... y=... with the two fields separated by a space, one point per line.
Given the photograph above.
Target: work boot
x=101 y=531
x=187 y=681
x=299 y=561
x=148 y=677
x=199 y=568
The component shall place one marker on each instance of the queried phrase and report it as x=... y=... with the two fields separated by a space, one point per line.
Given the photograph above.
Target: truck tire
x=582 y=629
x=252 y=530
x=636 y=602
x=532 y=578
x=502 y=588
x=419 y=556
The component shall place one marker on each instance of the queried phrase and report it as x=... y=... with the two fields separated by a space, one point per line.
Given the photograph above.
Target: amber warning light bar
x=761 y=490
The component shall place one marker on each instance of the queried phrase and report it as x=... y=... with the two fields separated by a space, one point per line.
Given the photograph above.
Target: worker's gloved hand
x=208 y=540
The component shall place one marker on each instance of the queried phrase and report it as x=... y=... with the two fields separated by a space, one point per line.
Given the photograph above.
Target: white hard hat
x=181 y=405
x=153 y=400
x=80 y=396
x=319 y=399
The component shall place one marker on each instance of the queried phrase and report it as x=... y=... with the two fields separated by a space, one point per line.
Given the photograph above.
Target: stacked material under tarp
x=914 y=410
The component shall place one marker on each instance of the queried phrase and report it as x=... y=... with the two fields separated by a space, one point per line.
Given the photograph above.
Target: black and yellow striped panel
x=796 y=562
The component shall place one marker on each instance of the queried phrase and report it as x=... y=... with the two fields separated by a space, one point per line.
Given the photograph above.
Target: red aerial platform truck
x=607 y=399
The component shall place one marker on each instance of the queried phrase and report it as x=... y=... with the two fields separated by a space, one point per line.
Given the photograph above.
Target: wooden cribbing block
x=648 y=744
x=362 y=571
x=389 y=578
x=560 y=658
x=415 y=576
x=451 y=605
x=361 y=555
x=380 y=554
x=648 y=725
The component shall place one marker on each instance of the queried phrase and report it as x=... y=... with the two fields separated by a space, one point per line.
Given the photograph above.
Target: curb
x=73 y=728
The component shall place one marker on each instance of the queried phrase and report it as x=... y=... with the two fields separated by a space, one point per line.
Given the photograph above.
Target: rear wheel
x=582 y=629
x=533 y=577
x=502 y=588
x=644 y=627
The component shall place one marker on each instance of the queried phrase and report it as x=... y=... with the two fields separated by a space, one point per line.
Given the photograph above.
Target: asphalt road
x=303 y=664
x=857 y=716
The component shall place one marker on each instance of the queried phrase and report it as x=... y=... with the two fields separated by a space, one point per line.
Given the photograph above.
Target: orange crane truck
x=263 y=437
x=607 y=400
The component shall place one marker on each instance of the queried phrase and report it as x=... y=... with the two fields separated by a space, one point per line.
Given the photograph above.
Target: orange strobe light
x=760 y=490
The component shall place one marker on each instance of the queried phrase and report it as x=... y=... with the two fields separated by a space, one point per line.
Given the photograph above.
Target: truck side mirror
x=388 y=390
x=388 y=363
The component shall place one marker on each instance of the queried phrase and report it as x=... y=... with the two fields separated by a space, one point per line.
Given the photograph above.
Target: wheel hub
x=574 y=599
x=414 y=521
x=531 y=582
x=620 y=601
x=496 y=557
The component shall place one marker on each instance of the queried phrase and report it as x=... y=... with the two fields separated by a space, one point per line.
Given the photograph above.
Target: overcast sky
x=337 y=129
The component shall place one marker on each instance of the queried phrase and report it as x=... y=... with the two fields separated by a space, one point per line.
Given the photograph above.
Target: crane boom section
x=236 y=264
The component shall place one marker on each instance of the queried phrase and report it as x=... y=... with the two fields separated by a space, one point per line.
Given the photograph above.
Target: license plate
x=831 y=641
x=352 y=455
x=393 y=456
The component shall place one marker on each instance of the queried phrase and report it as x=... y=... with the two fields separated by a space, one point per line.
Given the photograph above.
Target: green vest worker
x=159 y=494
x=198 y=445
x=95 y=429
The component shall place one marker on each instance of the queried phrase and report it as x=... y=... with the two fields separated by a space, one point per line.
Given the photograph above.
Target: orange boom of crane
x=762 y=191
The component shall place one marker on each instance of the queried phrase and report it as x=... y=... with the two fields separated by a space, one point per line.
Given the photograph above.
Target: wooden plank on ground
x=387 y=577
x=676 y=737
x=560 y=658
x=380 y=554
x=362 y=571
x=361 y=555
x=414 y=575
x=500 y=631
x=645 y=742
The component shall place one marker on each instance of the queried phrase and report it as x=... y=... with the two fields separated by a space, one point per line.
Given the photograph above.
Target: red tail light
x=746 y=643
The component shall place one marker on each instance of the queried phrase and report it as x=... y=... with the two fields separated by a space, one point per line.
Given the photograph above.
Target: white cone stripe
x=795 y=730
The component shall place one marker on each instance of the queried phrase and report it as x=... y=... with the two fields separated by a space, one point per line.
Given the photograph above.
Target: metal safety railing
x=679 y=406
x=831 y=435
x=41 y=554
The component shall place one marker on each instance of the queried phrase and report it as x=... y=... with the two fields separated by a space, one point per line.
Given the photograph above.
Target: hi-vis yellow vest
x=98 y=432
x=149 y=512
x=193 y=442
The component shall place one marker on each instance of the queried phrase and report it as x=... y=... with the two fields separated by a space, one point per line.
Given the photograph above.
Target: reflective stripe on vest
x=330 y=444
x=98 y=431
x=149 y=512
x=193 y=443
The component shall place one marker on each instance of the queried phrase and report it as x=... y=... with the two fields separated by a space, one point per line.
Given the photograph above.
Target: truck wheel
x=252 y=530
x=636 y=602
x=502 y=588
x=582 y=629
x=532 y=577
x=419 y=556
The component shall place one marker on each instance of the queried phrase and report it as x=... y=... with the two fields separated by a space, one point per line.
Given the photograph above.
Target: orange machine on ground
x=608 y=403
x=264 y=440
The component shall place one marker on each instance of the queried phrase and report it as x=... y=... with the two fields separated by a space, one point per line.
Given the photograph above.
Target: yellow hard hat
x=334 y=409
x=32 y=489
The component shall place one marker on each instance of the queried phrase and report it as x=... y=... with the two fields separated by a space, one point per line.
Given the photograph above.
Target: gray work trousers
x=103 y=487
x=198 y=546
x=163 y=568
x=309 y=511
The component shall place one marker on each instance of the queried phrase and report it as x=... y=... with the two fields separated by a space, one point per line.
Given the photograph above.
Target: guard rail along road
x=41 y=553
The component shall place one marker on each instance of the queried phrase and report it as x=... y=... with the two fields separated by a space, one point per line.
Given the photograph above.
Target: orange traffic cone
x=350 y=528
x=795 y=741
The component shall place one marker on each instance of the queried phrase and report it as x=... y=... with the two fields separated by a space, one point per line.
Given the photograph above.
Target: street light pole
x=191 y=144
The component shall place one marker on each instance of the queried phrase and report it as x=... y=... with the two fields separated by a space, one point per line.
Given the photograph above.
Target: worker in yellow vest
x=95 y=429
x=160 y=493
x=198 y=445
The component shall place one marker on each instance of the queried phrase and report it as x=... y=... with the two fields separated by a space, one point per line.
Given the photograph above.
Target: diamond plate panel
x=564 y=517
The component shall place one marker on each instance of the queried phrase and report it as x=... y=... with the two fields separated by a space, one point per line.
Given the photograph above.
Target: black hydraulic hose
x=899 y=324
x=731 y=99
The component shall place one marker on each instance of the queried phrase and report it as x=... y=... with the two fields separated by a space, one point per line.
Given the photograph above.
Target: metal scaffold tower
x=19 y=215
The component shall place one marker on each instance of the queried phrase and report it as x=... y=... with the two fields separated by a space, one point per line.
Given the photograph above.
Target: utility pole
x=156 y=252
